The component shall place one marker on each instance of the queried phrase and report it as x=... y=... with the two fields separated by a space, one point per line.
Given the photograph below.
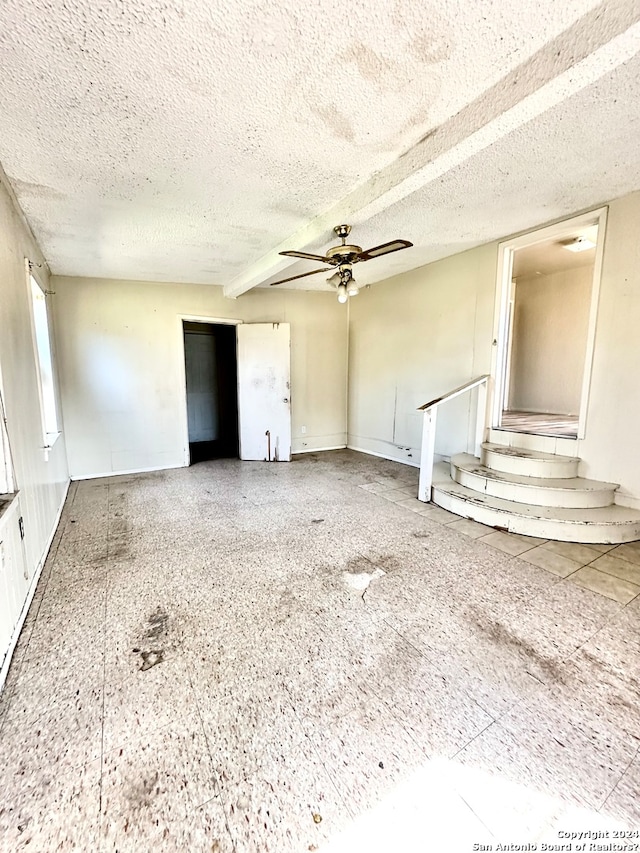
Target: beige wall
x=610 y=449
x=418 y=335
x=411 y=339
x=551 y=320
x=41 y=482
x=122 y=367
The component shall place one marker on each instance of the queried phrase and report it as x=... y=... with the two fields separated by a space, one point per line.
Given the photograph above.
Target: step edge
x=601 y=487
x=441 y=487
x=554 y=529
x=530 y=467
x=534 y=455
x=542 y=496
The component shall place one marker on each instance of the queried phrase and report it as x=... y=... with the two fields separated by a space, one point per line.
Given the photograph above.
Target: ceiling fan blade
x=302 y=275
x=306 y=256
x=384 y=249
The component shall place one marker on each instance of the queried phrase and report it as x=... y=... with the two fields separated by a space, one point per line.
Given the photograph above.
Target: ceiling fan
x=343 y=257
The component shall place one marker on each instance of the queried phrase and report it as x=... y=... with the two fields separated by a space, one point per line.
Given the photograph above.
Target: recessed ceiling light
x=579 y=244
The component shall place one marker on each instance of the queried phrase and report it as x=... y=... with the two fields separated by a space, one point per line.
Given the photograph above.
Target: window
x=44 y=363
x=7 y=484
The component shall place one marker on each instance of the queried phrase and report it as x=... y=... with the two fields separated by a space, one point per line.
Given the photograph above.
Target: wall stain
x=426 y=136
x=335 y=121
x=371 y=66
x=430 y=48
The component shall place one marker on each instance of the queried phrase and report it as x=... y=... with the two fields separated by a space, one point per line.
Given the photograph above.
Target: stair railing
x=430 y=410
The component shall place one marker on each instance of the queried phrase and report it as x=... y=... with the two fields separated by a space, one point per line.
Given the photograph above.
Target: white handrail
x=455 y=393
x=430 y=410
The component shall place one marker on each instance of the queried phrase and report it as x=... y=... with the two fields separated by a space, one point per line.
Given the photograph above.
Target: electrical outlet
x=303 y=430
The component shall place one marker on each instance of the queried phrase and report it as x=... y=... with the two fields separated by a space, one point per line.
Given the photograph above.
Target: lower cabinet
x=14 y=585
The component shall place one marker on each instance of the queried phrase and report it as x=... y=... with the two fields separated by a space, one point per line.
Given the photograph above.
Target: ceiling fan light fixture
x=579 y=244
x=342 y=293
x=352 y=288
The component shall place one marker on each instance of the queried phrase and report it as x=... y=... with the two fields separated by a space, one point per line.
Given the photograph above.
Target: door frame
x=193 y=318
x=506 y=250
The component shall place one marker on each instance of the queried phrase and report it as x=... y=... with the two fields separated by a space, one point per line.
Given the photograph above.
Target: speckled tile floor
x=251 y=657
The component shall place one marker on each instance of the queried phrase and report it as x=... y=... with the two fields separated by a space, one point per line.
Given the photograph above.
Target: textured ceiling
x=190 y=141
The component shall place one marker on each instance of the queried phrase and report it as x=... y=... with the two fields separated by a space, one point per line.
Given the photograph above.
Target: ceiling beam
x=599 y=42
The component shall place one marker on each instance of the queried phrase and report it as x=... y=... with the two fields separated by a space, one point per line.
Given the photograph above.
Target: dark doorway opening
x=212 y=390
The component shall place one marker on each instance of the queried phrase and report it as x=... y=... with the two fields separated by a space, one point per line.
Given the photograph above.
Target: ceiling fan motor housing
x=343 y=254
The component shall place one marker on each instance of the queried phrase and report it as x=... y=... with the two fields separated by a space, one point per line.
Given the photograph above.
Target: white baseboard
x=409 y=462
x=630 y=501
x=318 y=449
x=98 y=476
x=32 y=590
x=311 y=443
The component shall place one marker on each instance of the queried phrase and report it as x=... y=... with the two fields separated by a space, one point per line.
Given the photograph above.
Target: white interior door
x=264 y=404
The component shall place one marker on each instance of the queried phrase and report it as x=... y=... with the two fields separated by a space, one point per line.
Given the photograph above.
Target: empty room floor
x=563 y=426
x=296 y=657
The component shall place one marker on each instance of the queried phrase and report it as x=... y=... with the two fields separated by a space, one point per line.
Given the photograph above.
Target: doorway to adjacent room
x=212 y=396
x=547 y=303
